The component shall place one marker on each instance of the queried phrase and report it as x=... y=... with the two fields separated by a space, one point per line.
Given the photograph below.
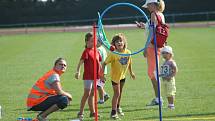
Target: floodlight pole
x=157 y=71
x=95 y=70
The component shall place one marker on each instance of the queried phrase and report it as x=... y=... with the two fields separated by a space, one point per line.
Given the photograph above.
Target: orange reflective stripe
x=33 y=96
x=39 y=90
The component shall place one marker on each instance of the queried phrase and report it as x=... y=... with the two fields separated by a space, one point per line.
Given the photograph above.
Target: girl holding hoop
x=155 y=8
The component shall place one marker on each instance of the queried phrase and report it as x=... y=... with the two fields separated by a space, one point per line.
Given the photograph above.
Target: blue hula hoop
x=102 y=36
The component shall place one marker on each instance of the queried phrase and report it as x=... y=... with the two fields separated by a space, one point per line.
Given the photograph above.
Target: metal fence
x=170 y=18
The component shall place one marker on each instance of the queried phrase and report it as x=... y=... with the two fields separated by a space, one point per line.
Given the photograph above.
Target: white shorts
x=88 y=84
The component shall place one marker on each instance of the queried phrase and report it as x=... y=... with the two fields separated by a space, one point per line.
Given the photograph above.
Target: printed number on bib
x=165 y=70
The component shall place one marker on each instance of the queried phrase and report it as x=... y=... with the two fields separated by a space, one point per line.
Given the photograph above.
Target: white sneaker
x=171 y=107
x=101 y=102
x=114 y=116
x=80 y=116
x=119 y=111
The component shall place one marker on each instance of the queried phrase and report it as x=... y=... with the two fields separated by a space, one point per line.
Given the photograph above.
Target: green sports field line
x=197 y=118
x=190 y=118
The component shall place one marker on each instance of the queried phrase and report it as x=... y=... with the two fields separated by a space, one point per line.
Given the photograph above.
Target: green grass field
x=24 y=58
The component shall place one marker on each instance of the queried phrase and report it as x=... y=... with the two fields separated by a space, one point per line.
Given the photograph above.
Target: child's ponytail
x=161 y=6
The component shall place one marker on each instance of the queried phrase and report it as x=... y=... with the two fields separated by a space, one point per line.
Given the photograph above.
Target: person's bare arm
x=131 y=71
x=140 y=25
x=58 y=88
x=102 y=77
x=174 y=71
x=154 y=18
x=78 y=71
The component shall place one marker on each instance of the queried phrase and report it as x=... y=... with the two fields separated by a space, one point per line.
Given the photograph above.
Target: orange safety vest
x=41 y=90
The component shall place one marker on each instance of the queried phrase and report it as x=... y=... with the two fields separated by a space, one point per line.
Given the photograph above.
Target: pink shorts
x=150 y=55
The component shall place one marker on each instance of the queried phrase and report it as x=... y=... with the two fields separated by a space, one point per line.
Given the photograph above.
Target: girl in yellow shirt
x=119 y=66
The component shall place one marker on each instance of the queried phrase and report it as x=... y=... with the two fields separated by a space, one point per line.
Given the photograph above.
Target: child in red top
x=88 y=59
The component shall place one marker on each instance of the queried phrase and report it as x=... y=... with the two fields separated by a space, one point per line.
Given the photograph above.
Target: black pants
x=60 y=100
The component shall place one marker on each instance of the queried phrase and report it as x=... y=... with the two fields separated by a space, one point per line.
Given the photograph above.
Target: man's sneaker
x=106 y=97
x=80 y=116
x=154 y=102
x=94 y=115
x=101 y=102
x=39 y=118
x=119 y=111
x=114 y=116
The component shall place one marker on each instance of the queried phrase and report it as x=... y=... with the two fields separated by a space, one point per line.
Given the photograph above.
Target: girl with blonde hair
x=156 y=9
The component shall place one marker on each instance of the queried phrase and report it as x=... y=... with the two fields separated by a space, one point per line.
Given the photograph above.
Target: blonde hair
x=119 y=36
x=161 y=6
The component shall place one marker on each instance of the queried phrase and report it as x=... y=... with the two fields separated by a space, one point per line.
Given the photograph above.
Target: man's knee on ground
x=63 y=102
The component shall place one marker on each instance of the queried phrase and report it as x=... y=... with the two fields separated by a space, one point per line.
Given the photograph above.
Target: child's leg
x=91 y=102
x=171 y=90
x=87 y=89
x=171 y=100
x=116 y=90
x=101 y=92
x=122 y=82
x=84 y=99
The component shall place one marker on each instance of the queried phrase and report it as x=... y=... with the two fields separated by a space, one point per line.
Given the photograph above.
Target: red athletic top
x=88 y=57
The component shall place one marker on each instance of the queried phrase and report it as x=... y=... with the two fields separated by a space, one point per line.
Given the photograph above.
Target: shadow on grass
x=72 y=118
x=77 y=109
x=177 y=116
x=141 y=109
x=62 y=119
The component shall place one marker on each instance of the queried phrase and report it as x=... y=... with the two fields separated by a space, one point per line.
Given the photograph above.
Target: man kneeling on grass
x=47 y=95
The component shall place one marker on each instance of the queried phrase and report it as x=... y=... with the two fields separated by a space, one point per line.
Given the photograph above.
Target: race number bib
x=165 y=70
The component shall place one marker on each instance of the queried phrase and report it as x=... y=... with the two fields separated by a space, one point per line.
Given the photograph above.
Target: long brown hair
x=87 y=37
x=119 y=36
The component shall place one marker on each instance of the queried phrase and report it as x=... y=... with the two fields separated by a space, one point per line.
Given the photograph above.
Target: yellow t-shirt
x=119 y=65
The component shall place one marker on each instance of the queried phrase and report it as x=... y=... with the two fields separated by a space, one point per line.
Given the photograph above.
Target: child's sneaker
x=114 y=116
x=80 y=116
x=119 y=111
x=101 y=102
x=171 y=106
x=106 y=97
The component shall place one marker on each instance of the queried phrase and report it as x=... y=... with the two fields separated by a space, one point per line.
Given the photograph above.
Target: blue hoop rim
x=101 y=31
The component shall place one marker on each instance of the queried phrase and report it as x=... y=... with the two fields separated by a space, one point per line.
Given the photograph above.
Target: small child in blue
x=167 y=72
